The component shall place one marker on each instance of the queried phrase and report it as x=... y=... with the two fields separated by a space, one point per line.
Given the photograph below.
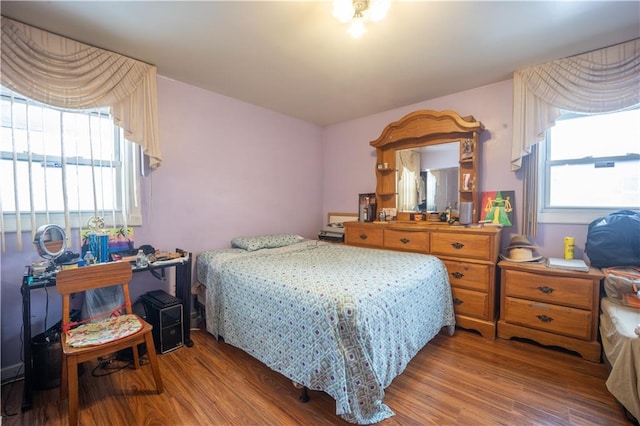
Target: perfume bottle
x=141 y=260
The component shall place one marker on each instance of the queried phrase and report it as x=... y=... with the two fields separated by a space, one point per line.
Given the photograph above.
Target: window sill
x=58 y=218
x=572 y=216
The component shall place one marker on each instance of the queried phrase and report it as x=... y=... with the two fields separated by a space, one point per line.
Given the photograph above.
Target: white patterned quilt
x=340 y=319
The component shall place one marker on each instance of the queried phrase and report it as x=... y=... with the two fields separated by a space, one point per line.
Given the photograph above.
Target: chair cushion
x=104 y=331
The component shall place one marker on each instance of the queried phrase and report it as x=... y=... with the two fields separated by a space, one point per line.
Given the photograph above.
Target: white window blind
x=64 y=167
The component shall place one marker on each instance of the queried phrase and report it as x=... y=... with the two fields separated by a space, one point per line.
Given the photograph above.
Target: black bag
x=614 y=240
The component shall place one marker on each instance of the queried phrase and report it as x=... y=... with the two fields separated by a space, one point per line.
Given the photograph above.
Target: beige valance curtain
x=600 y=81
x=65 y=73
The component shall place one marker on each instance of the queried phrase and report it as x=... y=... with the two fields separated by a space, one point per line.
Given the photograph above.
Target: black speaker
x=164 y=313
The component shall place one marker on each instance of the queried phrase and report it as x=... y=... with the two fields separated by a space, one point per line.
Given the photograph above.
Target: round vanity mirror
x=50 y=241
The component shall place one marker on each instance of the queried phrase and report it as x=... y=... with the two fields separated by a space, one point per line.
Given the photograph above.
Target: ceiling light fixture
x=358 y=11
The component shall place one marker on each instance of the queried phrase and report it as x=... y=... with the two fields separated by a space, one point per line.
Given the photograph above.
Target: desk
x=182 y=267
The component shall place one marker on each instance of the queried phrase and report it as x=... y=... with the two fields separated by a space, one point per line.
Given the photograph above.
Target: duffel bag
x=614 y=240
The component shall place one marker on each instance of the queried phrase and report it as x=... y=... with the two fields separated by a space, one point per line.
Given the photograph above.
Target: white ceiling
x=295 y=58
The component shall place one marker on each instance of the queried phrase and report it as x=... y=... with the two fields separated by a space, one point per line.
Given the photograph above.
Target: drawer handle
x=457 y=301
x=405 y=240
x=457 y=275
x=546 y=290
x=544 y=318
x=457 y=245
x=363 y=236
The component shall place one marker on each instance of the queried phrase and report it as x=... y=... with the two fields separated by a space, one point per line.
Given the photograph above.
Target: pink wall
x=349 y=160
x=229 y=169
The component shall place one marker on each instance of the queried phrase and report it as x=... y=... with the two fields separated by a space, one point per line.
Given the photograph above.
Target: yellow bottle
x=569 y=247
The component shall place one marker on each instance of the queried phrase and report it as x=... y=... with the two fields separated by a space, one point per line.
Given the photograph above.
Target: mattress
x=340 y=319
x=621 y=346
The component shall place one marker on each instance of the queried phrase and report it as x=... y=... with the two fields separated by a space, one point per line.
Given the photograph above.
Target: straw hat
x=520 y=249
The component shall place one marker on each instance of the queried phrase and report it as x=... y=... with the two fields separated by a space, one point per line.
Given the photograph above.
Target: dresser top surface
x=427 y=226
x=542 y=268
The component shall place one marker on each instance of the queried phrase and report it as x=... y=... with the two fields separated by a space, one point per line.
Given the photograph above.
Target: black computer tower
x=164 y=313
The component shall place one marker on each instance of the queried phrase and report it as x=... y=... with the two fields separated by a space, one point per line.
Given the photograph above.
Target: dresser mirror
x=433 y=184
x=428 y=140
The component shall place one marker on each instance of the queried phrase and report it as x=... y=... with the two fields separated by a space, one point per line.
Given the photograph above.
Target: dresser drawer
x=567 y=291
x=364 y=236
x=472 y=276
x=470 y=246
x=404 y=240
x=472 y=303
x=546 y=317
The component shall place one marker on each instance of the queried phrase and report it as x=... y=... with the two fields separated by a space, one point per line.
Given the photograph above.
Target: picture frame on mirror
x=467 y=150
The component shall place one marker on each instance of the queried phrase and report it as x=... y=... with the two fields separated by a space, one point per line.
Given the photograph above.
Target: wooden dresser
x=553 y=307
x=470 y=255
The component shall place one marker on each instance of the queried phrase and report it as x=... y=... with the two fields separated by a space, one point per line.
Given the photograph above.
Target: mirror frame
x=43 y=238
x=423 y=128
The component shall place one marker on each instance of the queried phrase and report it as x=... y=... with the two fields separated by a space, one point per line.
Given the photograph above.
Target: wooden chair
x=74 y=352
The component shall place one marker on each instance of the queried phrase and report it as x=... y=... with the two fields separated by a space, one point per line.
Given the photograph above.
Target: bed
x=621 y=347
x=334 y=318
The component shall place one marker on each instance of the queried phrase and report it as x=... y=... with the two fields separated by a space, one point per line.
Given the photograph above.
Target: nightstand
x=553 y=307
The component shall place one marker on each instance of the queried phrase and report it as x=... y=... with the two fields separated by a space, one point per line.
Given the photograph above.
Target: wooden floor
x=459 y=380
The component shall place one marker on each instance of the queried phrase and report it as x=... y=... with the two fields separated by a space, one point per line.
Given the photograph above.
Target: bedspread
x=621 y=346
x=340 y=319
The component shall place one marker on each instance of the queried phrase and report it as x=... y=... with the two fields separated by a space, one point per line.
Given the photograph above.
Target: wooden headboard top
x=333 y=217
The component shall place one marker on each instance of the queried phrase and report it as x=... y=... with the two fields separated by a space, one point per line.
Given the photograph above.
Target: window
x=590 y=166
x=48 y=155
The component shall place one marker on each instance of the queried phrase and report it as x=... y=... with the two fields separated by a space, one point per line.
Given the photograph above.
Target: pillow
x=258 y=242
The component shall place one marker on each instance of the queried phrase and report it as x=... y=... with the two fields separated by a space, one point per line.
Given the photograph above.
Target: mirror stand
x=426 y=128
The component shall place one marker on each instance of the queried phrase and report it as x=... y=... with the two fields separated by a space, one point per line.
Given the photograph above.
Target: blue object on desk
x=93 y=245
x=104 y=248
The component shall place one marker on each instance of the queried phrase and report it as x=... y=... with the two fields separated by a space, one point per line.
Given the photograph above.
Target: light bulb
x=357 y=28
x=378 y=9
x=343 y=10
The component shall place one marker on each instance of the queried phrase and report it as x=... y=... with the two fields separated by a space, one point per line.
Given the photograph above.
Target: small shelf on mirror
x=386 y=170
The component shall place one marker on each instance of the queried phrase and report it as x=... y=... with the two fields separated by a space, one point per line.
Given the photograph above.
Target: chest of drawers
x=364 y=236
x=410 y=240
x=470 y=255
x=553 y=307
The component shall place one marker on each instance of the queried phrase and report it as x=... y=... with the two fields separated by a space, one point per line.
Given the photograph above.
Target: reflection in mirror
x=408 y=162
x=440 y=189
x=412 y=187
